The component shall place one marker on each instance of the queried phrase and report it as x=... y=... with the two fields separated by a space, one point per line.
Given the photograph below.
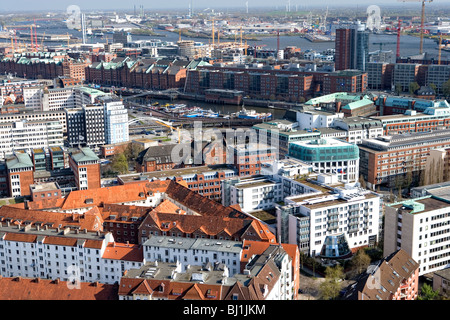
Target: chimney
x=66 y=231
x=85 y=230
x=27 y=228
x=26 y=205
x=37 y=227
x=56 y=281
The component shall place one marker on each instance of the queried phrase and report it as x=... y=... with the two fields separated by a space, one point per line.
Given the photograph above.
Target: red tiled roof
x=123 y=251
x=61 y=241
x=90 y=220
x=20 y=237
x=42 y=289
x=198 y=203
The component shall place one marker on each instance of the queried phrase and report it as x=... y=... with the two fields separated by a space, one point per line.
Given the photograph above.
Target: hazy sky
x=183 y=4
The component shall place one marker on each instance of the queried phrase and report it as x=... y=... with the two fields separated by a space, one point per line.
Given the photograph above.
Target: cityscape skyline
x=25 y=5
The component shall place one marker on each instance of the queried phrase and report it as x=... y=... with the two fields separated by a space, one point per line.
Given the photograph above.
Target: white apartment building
x=332 y=223
x=116 y=121
x=252 y=194
x=33 y=97
x=61 y=254
x=35 y=116
x=190 y=251
x=420 y=226
x=58 y=99
x=359 y=128
x=27 y=135
x=317 y=119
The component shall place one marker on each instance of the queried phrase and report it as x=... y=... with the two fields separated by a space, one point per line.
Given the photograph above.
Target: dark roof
x=382 y=281
x=160 y=154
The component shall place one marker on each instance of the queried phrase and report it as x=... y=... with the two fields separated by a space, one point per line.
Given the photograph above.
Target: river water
x=408 y=46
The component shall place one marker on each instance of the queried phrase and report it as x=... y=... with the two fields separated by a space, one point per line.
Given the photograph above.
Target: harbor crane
x=422 y=20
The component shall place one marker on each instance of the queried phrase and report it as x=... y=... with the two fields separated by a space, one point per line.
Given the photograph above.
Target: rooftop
x=166 y=174
x=50 y=186
x=197 y=244
x=421 y=205
x=84 y=154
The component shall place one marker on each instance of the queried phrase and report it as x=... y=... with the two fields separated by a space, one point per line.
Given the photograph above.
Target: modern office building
x=404 y=75
x=332 y=222
x=419 y=226
x=352 y=47
x=359 y=128
x=252 y=194
x=386 y=158
x=116 y=121
x=438 y=75
x=86 y=126
x=28 y=135
x=329 y=156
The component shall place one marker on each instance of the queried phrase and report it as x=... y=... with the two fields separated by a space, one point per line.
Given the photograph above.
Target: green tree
x=413 y=87
x=427 y=293
x=330 y=287
x=446 y=88
x=361 y=260
x=119 y=163
x=433 y=86
x=398 y=88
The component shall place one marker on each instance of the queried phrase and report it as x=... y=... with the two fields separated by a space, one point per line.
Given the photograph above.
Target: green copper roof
x=20 y=160
x=84 y=154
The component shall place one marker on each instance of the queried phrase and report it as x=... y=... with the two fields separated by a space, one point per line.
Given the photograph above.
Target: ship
x=318 y=38
x=200 y=113
x=252 y=114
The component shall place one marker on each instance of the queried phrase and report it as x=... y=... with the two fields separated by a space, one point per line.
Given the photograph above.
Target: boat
x=193 y=115
x=200 y=113
x=252 y=114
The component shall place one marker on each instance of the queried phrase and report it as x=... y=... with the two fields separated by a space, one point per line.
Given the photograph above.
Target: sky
x=52 y=5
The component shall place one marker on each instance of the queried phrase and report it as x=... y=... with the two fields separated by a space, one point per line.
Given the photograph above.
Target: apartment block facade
x=386 y=158
x=420 y=227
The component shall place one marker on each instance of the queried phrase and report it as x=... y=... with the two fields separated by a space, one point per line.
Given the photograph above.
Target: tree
x=361 y=260
x=398 y=88
x=446 y=88
x=119 y=163
x=413 y=87
x=331 y=286
x=433 y=86
x=427 y=293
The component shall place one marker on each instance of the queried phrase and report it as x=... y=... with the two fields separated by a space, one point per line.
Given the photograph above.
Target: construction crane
x=422 y=20
x=168 y=125
x=399 y=31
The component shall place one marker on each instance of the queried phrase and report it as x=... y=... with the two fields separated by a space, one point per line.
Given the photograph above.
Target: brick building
x=396 y=277
x=142 y=73
x=288 y=85
x=85 y=165
x=387 y=158
x=44 y=65
x=19 y=174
